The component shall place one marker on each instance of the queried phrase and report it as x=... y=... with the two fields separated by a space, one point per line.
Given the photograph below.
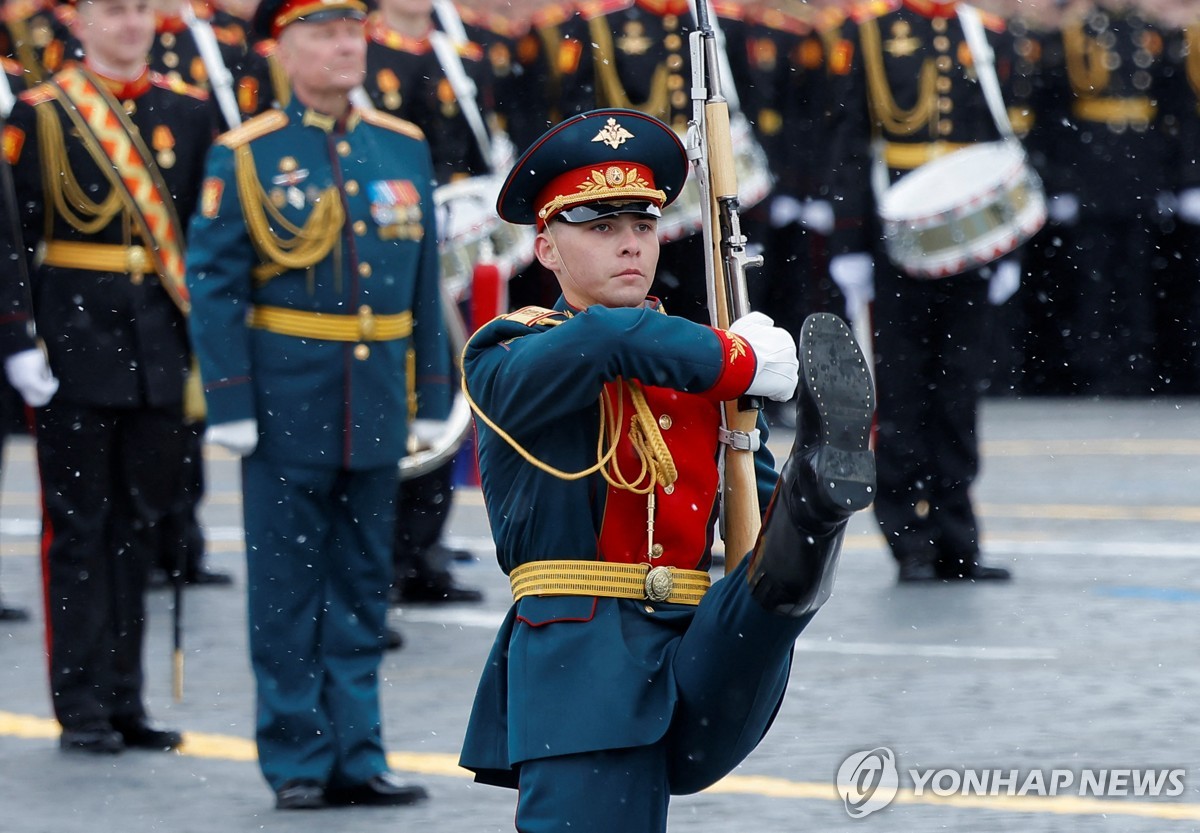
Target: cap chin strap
x=562 y=263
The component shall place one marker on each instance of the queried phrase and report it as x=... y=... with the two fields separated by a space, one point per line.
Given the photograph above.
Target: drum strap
x=985 y=65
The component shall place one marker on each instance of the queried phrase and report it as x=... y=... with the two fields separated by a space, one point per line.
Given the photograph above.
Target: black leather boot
x=829 y=475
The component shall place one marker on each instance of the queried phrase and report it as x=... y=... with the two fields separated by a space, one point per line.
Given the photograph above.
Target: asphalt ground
x=1087 y=661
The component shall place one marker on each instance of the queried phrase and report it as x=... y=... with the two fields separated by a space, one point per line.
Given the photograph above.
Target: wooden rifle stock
x=740 y=513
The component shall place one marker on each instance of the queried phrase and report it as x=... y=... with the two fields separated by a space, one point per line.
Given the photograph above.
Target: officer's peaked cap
x=272 y=16
x=622 y=159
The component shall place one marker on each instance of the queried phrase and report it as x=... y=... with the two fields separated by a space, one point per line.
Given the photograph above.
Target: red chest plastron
x=688 y=425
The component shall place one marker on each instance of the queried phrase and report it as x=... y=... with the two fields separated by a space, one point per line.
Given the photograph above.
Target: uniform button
x=944 y=84
x=351 y=187
x=673 y=42
x=945 y=127
x=364 y=269
x=656 y=551
x=944 y=63
x=679 y=99
x=167 y=40
x=675 y=63
x=670 y=21
x=171 y=59
x=360 y=227
x=649 y=608
x=674 y=82
x=664 y=422
x=939 y=24
x=343 y=148
x=941 y=43
x=362 y=352
x=945 y=105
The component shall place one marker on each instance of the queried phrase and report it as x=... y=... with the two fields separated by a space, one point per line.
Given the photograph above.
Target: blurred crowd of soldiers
x=1103 y=92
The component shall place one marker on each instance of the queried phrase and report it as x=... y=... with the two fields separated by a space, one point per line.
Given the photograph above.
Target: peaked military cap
x=595 y=164
x=272 y=16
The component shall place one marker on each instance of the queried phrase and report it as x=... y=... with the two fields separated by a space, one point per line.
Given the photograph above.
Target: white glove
x=426 y=431
x=29 y=372
x=1064 y=209
x=854 y=275
x=817 y=215
x=1188 y=206
x=1005 y=279
x=239 y=436
x=778 y=368
x=785 y=210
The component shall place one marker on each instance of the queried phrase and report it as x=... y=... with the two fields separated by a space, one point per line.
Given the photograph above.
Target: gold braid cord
x=306 y=246
x=1085 y=62
x=644 y=434
x=610 y=91
x=888 y=115
x=70 y=201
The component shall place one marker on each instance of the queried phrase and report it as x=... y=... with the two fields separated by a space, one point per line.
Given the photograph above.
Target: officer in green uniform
x=318 y=327
x=619 y=677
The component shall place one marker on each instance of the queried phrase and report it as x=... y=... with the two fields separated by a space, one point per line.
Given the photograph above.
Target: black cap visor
x=599 y=210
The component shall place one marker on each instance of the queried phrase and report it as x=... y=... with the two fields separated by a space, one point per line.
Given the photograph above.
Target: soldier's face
x=324 y=58
x=608 y=262
x=116 y=34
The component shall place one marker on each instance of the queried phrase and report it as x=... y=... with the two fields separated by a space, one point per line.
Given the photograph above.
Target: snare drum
x=471 y=232
x=962 y=211
x=683 y=217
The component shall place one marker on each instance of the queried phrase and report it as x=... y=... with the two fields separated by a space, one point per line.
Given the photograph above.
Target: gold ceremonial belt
x=1115 y=110
x=364 y=325
x=618 y=581
x=98 y=257
x=907 y=156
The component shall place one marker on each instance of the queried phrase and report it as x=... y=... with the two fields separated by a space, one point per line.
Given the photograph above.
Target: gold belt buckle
x=659 y=584
x=136 y=262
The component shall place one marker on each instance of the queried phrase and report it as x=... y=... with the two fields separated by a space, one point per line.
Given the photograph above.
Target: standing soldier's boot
x=829 y=475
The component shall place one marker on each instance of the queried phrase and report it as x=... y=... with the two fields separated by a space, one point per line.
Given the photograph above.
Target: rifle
x=710 y=147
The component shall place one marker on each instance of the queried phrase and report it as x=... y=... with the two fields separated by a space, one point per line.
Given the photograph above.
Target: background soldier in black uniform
x=35 y=34
x=97 y=161
x=635 y=56
x=906 y=78
x=1116 y=69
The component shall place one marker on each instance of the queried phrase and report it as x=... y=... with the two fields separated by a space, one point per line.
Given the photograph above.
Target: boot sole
x=836 y=374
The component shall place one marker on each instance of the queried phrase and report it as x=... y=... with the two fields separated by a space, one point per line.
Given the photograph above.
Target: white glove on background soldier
x=1064 y=209
x=1188 y=206
x=817 y=216
x=29 y=372
x=426 y=431
x=785 y=210
x=778 y=369
x=1004 y=282
x=239 y=436
x=854 y=275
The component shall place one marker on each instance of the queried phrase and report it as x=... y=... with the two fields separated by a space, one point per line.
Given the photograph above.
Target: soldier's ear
x=546 y=250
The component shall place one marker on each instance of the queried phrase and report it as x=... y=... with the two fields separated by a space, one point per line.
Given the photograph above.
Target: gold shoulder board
x=260 y=125
x=533 y=316
x=390 y=122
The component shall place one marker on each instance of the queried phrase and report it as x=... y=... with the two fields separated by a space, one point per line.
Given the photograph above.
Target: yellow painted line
x=241 y=750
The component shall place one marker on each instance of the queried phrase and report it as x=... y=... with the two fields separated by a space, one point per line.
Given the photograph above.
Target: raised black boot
x=829 y=474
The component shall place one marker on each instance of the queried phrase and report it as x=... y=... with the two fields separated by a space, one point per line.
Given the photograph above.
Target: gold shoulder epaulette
x=178 y=85
x=533 y=316
x=260 y=125
x=230 y=35
x=994 y=22
x=37 y=95
x=728 y=9
x=595 y=8
x=873 y=8
x=554 y=14
x=390 y=122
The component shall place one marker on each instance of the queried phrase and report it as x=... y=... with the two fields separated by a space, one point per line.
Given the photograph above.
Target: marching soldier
x=108 y=159
x=317 y=322
x=907 y=83
x=201 y=46
x=620 y=677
